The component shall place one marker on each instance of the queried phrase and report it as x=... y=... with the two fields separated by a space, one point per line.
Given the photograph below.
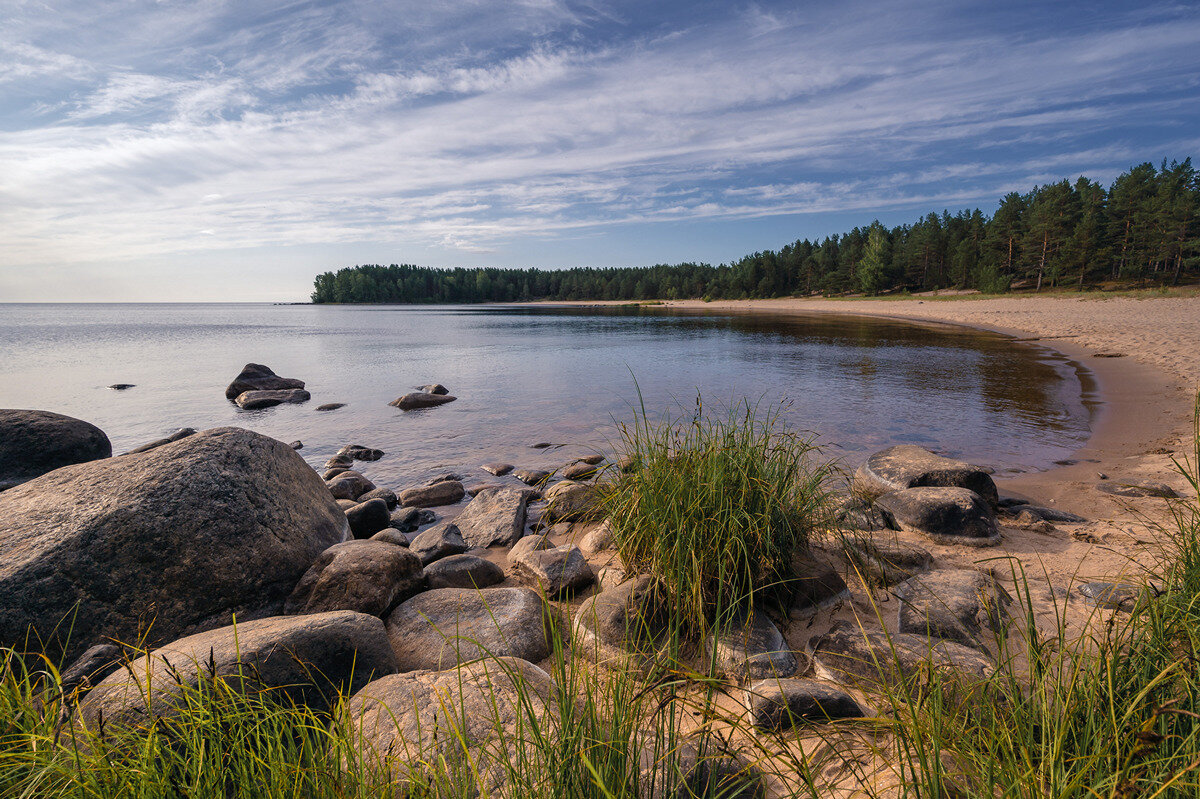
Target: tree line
x=1144 y=228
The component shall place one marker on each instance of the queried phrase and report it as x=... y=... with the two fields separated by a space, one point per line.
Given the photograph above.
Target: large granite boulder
x=183 y=536
x=495 y=517
x=445 y=626
x=367 y=576
x=945 y=515
x=909 y=466
x=35 y=442
x=256 y=377
x=496 y=707
x=306 y=660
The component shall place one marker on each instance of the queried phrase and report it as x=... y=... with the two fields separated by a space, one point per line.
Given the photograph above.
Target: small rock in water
x=498 y=469
x=122 y=386
x=1113 y=596
x=476 y=489
x=253 y=400
x=447 y=492
x=256 y=377
x=579 y=471
x=592 y=460
x=540 y=445
x=420 y=399
x=463 y=571
x=530 y=476
x=434 y=388
x=446 y=478
x=331 y=406
x=339 y=460
x=297 y=445
x=360 y=453
x=178 y=435
x=778 y=704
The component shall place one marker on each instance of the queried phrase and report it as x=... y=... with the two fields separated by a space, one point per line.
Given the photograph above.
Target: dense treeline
x=1144 y=227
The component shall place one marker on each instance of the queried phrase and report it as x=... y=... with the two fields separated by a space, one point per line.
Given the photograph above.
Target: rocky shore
x=223 y=552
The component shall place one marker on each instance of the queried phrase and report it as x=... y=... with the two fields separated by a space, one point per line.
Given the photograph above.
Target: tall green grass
x=717 y=508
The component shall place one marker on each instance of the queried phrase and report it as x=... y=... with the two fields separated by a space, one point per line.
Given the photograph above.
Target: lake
x=531 y=374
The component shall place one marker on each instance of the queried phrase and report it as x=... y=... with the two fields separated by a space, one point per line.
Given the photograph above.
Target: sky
x=211 y=150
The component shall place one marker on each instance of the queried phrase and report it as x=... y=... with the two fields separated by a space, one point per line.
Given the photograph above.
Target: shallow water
x=524 y=375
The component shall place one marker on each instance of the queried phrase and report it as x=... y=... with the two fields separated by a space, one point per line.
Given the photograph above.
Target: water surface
x=524 y=375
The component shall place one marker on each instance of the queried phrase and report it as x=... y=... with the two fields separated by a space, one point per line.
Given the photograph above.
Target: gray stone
x=329 y=474
x=368 y=518
x=253 y=400
x=777 y=705
x=305 y=660
x=530 y=543
x=886 y=561
x=494 y=518
x=90 y=668
x=858 y=514
x=579 y=471
x=391 y=536
x=386 y=494
x=360 y=453
x=817 y=587
x=420 y=399
x=331 y=406
x=540 y=445
x=751 y=649
x=33 y=443
x=463 y=571
x=954 y=604
x=1138 y=488
x=297 y=445
x=531 y=477
x=850 y=655
x=601 y=537
x=434 y=388
x=446 y=492
x=179 y=434
x=339 y=460
x=478 y=488
x=1111 y=595
x=592 y=460
x=438 y=542
x=569 y=501
x=367 y=576
x=256 y=377
x=410 y=519
x=498 y=469
x=401 y=724
x=122 y=386
x=446 y=626
x=1053 y=514
x=350 y=485
x=622 y=627
x=945 y=515
x=556 y=572
x=908 y=466
x=222 y=522
x=446 y=477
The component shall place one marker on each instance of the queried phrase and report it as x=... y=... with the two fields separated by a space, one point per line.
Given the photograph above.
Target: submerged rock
x=256 y=377
x=253 y=400
x=35 y=442
x=420 y=399
x=946 y=515
x=183 y=536
x=331 y=406
x=908 y=466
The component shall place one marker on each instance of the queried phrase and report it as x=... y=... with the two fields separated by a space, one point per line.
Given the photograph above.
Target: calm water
x=526 y=375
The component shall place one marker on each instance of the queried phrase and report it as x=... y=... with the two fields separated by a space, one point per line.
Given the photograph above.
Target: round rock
x=367 y=576
x=945 y=515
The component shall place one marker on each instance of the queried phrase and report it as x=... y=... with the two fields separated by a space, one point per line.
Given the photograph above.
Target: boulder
x=402 y=726
x=954 y=604
x=367 y=576
x=437 y=543
x=330 y=406
x=420 y=399
x=579 y=471
x=885 y=560
x=349 y=485
x=35 y=442
x=556 y=572
x=530 y=543
x=409 y=519
x=446 y=492
x=386 y=494
x=494 y=518
x=777 y=705
x=531 y=477
x=185 y=535
x=622 y=627
x=434 y=388
x=908 y=466
x=90 y=668
x=391 y=535
x=601 y=537
x=368 y=518
x=817 y=587
x=253 y=400
x=945 y=515
x=181 y=433
x=751 y=649
x=447 y=626
x=1138 y=488
x=360 y=453
x=256 y=377
x=498 y=469
x=850 y=655
x=568 y=501
x=305 y=660
x=463 y=571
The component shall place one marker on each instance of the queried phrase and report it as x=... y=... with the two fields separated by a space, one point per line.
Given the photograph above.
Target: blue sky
x=231 y=149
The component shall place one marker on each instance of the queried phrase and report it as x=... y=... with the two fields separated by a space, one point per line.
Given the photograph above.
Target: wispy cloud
x=146 y=130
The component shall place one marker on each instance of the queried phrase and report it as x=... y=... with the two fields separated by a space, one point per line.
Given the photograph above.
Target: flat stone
x=945 y=515
x=886 y=561
x=954 y=604
x=178 y=435
x=777 y=704
x=531 y=476
x=438 y=542
x=420 y=399
x=360 y=453
x=494 y=518
x=1138 y=488
x=579 y=471
x=366 y=576
x=349 y=485
x=253 y=400
x=33 y=443
x=498 y=469
x=908 y=466
x=256 y=377
x=463 y=571
x=446 y=492
x=1113 y=596
x=331 y=406
x=447 y=626
x=752 y=649
x=556 y=572
x=870 y=660
x=368 y=518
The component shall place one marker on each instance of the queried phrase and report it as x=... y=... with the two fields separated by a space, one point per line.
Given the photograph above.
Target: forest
x=1144 y=229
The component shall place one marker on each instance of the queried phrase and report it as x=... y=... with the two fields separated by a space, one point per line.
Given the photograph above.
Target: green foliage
x=717 y=509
